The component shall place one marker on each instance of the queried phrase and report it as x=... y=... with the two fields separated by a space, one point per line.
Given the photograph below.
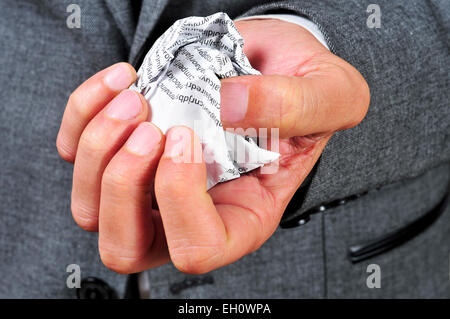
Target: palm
x=318 y=95
x=268 y=194
x=253 y=204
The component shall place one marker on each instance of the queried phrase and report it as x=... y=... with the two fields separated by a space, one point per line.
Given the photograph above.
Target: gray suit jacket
x=372 y=180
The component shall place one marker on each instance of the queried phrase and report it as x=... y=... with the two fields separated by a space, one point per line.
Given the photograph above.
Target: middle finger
x=100 y=140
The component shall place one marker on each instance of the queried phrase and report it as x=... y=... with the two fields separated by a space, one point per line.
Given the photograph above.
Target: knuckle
x=175 y=183
x=113 y=178
x=115 y=261
x=85 y=216
x=365 y=99
x=296 y=103
x=77 y=103
x=358 y=95
x=196 y=260
x=361 y=100
x=290 y=105
x=64 y=149
x=91 y=142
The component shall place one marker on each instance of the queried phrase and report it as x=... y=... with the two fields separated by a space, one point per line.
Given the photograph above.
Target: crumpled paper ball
x=180 y=78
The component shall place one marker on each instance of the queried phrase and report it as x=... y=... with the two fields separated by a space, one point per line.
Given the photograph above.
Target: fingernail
x=119 y=77
x=144 y=139
x=233 y=101
x=126 y=106
x=178 y=140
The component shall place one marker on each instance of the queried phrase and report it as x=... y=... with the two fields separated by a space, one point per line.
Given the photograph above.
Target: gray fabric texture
x=399 y=154
x=406 y=64
x=311 y=261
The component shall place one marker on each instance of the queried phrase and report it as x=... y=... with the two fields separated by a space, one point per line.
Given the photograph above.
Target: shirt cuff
x=301 y=21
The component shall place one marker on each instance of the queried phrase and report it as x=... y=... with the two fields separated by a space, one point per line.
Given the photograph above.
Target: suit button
x=95 y=288
x=298 y=221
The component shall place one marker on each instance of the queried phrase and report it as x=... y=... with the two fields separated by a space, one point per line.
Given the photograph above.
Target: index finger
x=88 y=100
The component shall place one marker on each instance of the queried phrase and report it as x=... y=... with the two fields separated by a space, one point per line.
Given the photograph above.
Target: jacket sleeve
x=406 y=64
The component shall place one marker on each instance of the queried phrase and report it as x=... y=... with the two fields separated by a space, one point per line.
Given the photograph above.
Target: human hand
x=306 y=92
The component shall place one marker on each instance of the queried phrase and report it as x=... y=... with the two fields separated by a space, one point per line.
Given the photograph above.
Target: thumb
x=324 y=101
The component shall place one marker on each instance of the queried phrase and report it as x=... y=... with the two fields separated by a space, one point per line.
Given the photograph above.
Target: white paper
x=180 y=78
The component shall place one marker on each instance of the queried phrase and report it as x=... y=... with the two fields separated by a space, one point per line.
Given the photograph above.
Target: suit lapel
x=135 y=32
x=148 y=17
x=122 y=14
